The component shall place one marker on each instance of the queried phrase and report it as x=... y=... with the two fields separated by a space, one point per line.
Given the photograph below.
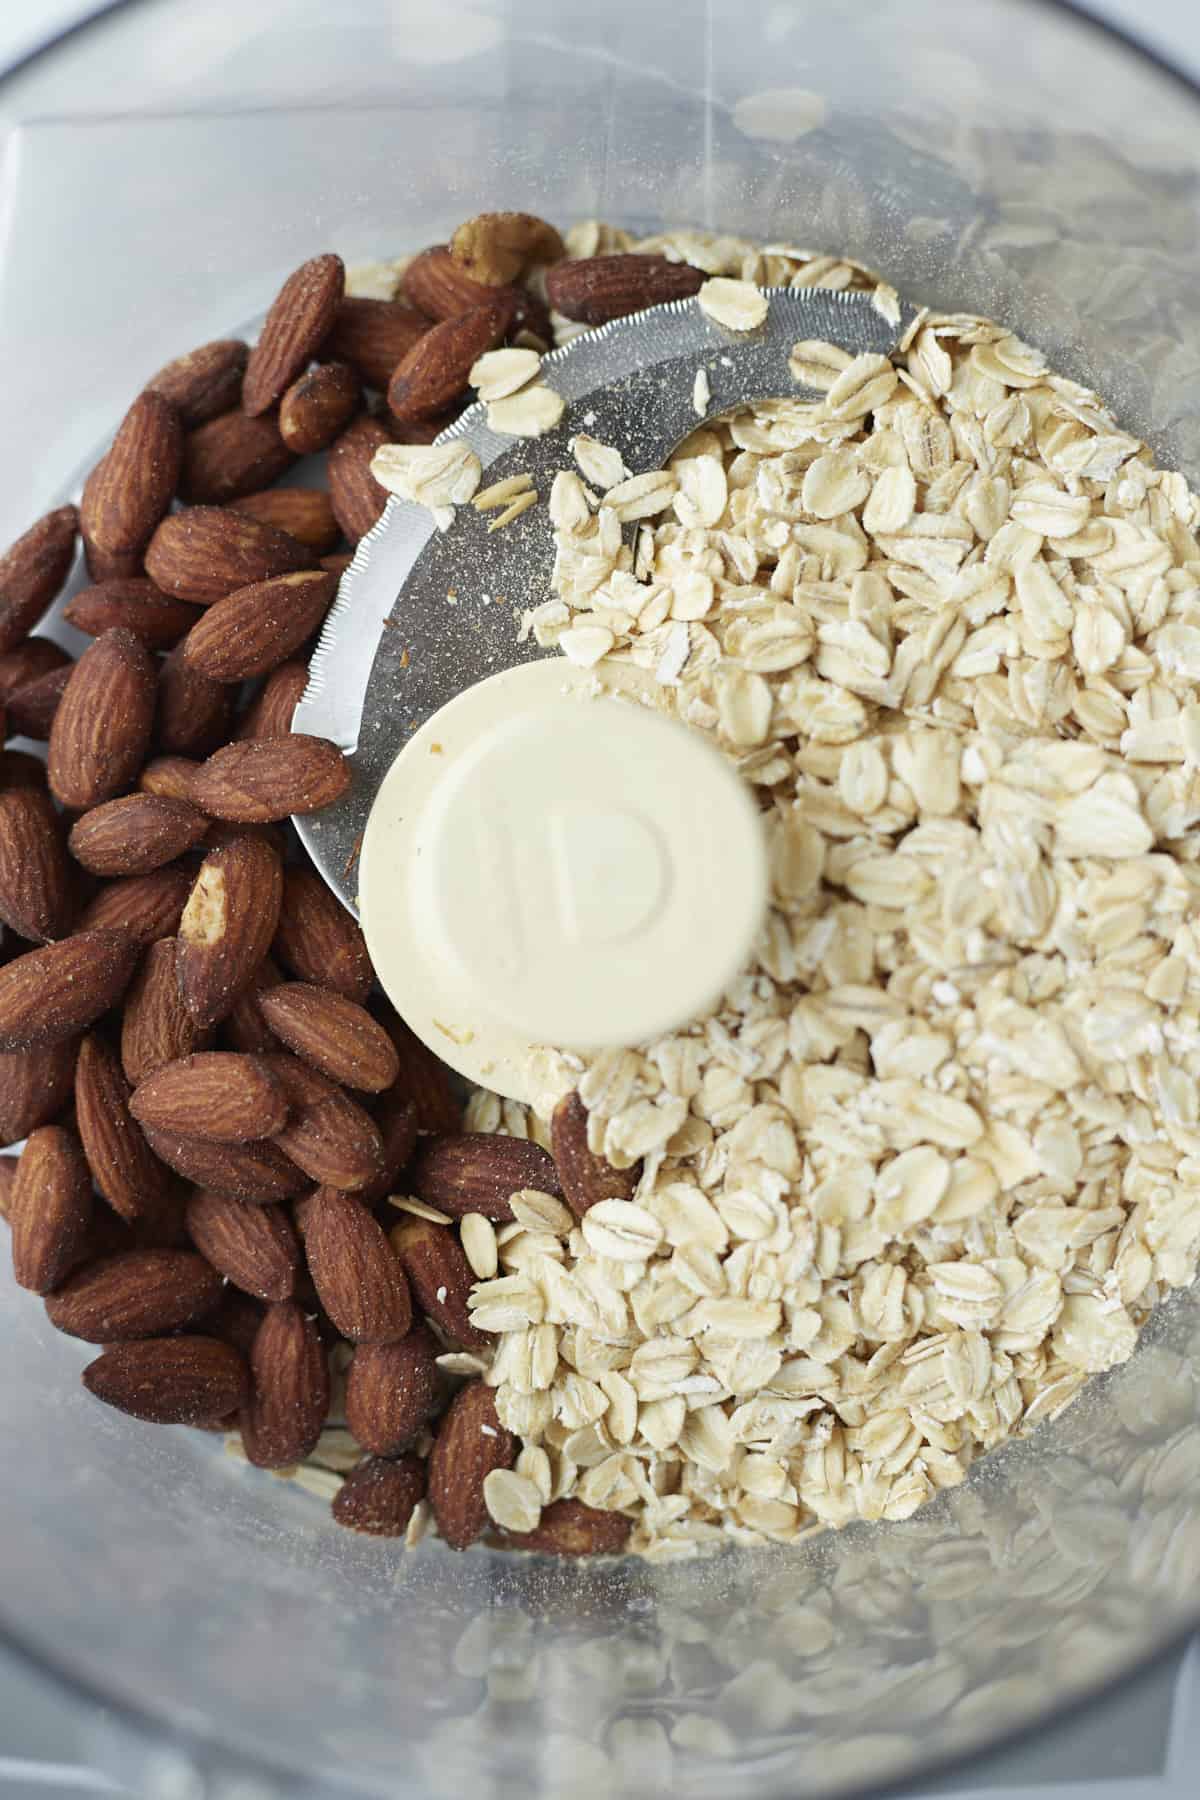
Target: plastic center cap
x=611 y=870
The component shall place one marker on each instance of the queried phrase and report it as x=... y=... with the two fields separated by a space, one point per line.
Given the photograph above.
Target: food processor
x=171 y=161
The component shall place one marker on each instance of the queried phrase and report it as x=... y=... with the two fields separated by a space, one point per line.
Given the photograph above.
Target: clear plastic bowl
x=175 y=160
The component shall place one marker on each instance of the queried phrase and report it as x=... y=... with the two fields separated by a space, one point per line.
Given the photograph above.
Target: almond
x=244 y=1027
x=129 y=491
x=328 y=1135
x=318 y=405
x=421 y=431
x=423 y=1078
x=37 y=898
x=103 y=723
x=20 y=768
x=335 y=1033
x=290 y=1397
x=261 y=779
x=441 y=287
x=255 y=1247
x=358 y=500
x=51 y=994
x=358 y=1278
x=269 y=714
x=374 y=336
x=8 y=1176
x=32 y=570
x=227 y=926
x=337 y=565
x=31 y=708
x=396 y=1119
x=170 y=777
x=133 y=835
x=205 y=552
x=470 y=1443
x=496 y=247
x=50 y=1208
x=253 y=1172
x=436 y=371
x=230 y=456
x=156 y=1027
x=142 y=907
x=380 y=1497
x=598 y=288
x=29 y=661
x=131 y=1179
x=569 y=1528
x=158 y=619
x=440 y=1277
x=194 y=711
x=252 y=631
x=136 y=1294
x=213 y=1094
x=170 y=1381
x=236 y=1318
x=318 y=940
x=202 y=383
x=585 y=1177
x=477 y=1171
x=35 y=1085
x=110 y=565
x=392 y=1390
x=305 y=513
x=301 y=316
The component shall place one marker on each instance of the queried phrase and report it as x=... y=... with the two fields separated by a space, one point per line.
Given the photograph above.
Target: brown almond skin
x=230 y=456
x=130 y=490
x=598 y=288
x=305 y=513
x=134 y=835
x=37 y=891
x=290 y=1398
x=255 y=1247
x=32 y=707
x=433 y=375
x=32 y=571
x=110 y=565
x=158 y=620
x=259 y=780
x=423 y=1078
x=440 y=1277
x=328 y=1135
x=379 y=1497
x=334 y=1033
x=569 y=1528
x=194 y=712
x=585 y=1177
x=269 y=714
x=205 y=552
x=29 y=661
x=257 y=1173
x=143 y=907
x=477 y=1171
x=170 y=1381
x=392 y=1390
x=213 y=1094
x=236 y=1317
x=156 y=1027
x=20 y=768
x=102 y=728
x=337 y=564
x=440 y=286
x=8 y=1176
x=244 y=1028
x=135 y=1294
x=470 y=1443
x=357 y=1277
x=373 y=336
x=358 y=499
x=252 y=631
x=318 y=940
x=227 y=926
x=131 y=1179
x=170 y=777
x=301 y=316
x=50 y=1208
x=396 y=1118
x=54 y=993
x=318 y=405
x=35 y=1085
x=203 y=382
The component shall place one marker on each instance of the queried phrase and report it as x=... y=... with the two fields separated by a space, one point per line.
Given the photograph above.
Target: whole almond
x=379 y=1497
x=358 y=499
x=31 y=709
x=318 y=940
x=318 y=405
x=255 y=1247
x=441 y=287
x=440 y=1277
x=194 y=712
x=230 y=456
x=477 y=1171
x=213 y=1094
x=585 y=1177
x=392 y=1390
x=269 y=714
x=354 y=1270
x=470 y=1443
x=50 y=1208
x=156 y=1027
x=227 y=926
x=305 y=513
x=373 y=336
x=54 y=993
x=301 y=316
x=32 y=570
x=158 y=619
x=37 y=898
x=29 y=661
x=133 y=835
x=328 y=1135
x=244 y=1027
x=135 y=1294
x=205 y=552
x=257 y=1173
x=598 y=288
x=170 y=1381
x=35 y=1085
x=569 y=1528
x=129 y=1176
x=252 y=631
x=170 y=777
x=435 y=372
x=423 y=1078
x=336 y=1034
x=262 y=779
x=129 y=491
x=286 y=1411
x=103 y=723
x=142 y=907
x=396 y=1119
x=203 y=382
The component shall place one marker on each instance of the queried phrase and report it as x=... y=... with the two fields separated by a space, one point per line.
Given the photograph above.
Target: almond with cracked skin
x=32 y=570
x=436 y=371
x=569 y=1528
x=392 y=1390
x=299 y=320
x=585 y=1177
x=130 y=1177
x=470 y=1443
x=230 y=456
x=203 y=382
x=159 y=620
x=56 y=992
x=205 y=552
x=328 y=1135
x=497 y=247
x=478 y=1171
x=354 y=1270
x=171 y=1380
x=423 y=1078
x=194 y=711
x=595 y=289
x=318 y=940
x=357 y=498
x=373 y=336
x=213 y=1094
x=255 y=1247
x=304 y=513
x=143 y=907
x=334 y=1033
x=440 y=1277
x=257 y=1173
x=133 y=835
x=32 y=707
x=131 y=488
x=318 y=405
x=156 y=1026
x=35 y=1085
x=103 y=723
x=379 y=1497
x=269 y=713
x=258 y=780
x=283 y=1418
x=50 y=1209
x=37 y=889
x=252 y=631
x=135 y=1294
x=227 y=926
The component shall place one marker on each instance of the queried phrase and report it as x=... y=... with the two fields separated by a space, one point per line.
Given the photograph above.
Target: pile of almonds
x=215 y=1103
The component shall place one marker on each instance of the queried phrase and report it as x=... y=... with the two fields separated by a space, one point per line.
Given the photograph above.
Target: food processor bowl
x=168 y=163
